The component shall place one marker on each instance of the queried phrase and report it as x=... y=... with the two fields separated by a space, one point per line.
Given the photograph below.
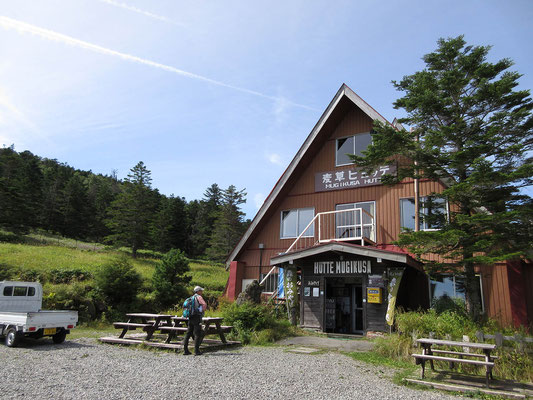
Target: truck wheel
x=59 y=337
x=12 y=337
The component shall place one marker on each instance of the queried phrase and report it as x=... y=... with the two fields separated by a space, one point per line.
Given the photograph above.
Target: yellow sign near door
x=374 y=295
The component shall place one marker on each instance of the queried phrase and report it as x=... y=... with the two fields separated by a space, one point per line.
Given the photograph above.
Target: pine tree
x=229 y=225
x=169 y=279
x=169 y=229
x=75 y=208
x=473 y=130
x=132 y=212
x=201 y=220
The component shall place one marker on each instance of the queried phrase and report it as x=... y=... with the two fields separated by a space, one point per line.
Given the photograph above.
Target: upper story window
x=355 y=144
x=349 y=224
x=433 y=213
x=294 y=222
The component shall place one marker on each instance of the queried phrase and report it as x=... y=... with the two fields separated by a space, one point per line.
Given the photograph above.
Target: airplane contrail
x=23 y=27
x=139 y=11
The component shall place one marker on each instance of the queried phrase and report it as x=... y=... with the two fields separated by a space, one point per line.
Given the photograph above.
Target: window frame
x=480 y=277
x=346 y=137
x=423 y=209
x=269 y=280
x=371 y=225
x=297 y=222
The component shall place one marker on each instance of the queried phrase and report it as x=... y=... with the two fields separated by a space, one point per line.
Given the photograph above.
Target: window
x=8 y=291
x=351 y=145
x=31 y=291
x=348 y=224
x=20 y=291
x=293 y=223
x=271 y=284
x=433 y=213
x=245 y=283
x=450 y=286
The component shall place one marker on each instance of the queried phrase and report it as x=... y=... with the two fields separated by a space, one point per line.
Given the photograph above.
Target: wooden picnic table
x=148 y=323
x=207 y=328
x=428 y=354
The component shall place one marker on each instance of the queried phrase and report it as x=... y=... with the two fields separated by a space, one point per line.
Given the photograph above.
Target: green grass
x=210 y=276
x=94 y=330
x=403 y=368
x=46 y=258
x=43 y=258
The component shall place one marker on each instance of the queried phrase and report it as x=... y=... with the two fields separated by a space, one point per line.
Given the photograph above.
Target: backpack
x=190 y=307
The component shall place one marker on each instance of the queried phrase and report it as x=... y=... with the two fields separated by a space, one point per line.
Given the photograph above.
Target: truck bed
x=39 y=319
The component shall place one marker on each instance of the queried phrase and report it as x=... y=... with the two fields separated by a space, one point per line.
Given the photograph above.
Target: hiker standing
x=198 y=308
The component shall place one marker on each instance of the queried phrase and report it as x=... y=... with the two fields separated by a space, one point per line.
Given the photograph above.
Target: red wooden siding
x=496 y=292
x=302 y=194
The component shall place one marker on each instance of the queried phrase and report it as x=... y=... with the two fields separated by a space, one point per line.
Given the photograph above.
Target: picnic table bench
x=428 y=354
x=149 y=323
x=208 y=329
x=171 y=326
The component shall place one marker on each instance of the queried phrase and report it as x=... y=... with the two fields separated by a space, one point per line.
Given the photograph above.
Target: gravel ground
x=85 y=369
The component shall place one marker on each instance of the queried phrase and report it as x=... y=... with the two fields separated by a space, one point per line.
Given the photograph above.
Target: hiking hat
x=198 y=289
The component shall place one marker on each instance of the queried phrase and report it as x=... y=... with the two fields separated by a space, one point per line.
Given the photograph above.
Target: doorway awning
x=352 y=249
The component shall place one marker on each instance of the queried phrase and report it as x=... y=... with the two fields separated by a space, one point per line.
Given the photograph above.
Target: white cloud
x=259 y=199
x=275 y=158
x=22 y=27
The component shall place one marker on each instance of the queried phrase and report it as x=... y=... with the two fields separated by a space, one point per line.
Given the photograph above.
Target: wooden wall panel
x=528 y=281
x=496 y=292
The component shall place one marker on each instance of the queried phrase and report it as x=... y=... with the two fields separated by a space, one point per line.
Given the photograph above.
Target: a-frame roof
x=344 y=93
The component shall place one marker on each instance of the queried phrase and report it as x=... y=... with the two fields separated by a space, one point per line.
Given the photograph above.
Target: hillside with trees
x=47 y=195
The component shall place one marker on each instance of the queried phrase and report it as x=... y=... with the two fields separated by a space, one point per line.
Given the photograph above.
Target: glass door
x=357 y=309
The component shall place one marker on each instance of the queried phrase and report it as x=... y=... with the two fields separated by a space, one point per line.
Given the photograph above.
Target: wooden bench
x=213 y=330
x=130 y=325
x=457 y=353
x=428 y=355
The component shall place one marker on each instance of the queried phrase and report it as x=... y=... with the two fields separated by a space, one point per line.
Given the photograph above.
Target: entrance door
x=344 y=305
x=357 y=306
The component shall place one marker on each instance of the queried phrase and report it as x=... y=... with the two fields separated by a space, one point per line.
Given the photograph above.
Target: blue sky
x=223 y=91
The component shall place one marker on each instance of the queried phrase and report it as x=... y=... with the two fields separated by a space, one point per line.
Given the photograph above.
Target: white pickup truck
x=21 y=314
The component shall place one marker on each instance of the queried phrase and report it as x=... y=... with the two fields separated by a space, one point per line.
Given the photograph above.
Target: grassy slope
x=45 y=258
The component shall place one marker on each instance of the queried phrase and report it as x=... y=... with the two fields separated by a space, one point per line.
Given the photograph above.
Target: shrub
x=446 y=303
x=118 y=281
x=169 y=278
x=75 y=296
x=256 y=323
x=448 y=323
x=6 y=272
x=395 y=346
x=29 y=275
x=68 y=275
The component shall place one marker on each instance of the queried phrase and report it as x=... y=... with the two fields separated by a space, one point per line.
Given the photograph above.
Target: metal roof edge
x=357 y=250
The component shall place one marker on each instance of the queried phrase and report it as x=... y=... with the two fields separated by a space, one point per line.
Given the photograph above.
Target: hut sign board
x=350 y=178
x=342 y=267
